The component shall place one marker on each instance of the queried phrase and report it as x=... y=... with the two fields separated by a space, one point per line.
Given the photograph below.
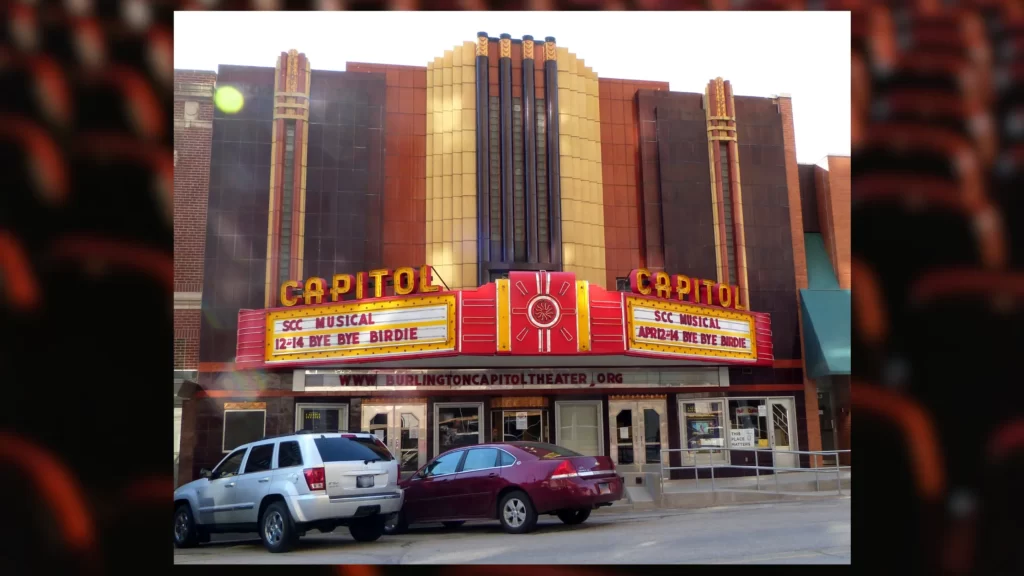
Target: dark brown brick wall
x=687 y=216
x=191 y=183
x=192 y=144
x=186 y=339
x=767 y=219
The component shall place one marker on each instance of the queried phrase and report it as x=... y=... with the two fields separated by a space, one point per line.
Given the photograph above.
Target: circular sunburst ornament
x=543 y=311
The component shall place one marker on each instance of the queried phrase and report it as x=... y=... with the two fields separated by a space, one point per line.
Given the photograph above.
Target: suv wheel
x=367 y=529
x=516 y=513
x=277 y=531
x=572 y=517
x=185 y=533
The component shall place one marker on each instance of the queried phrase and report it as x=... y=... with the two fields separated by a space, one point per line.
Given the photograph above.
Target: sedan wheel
x=572 y=517
x=396 y=524
x=517 y=514
x=185 y=533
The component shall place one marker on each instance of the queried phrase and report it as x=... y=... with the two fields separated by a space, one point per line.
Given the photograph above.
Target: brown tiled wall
x=405 y=129
x=686 y=195
x=202 y=430
x=652 y=253
x=345 y=173
x=234 y=261
x=766 y=212
x=621 y=177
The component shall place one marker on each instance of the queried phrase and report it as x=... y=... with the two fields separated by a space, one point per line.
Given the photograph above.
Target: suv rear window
x=546 y=451
x=347 y=449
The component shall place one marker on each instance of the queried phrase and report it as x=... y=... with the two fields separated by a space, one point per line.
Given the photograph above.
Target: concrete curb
x=700 y=500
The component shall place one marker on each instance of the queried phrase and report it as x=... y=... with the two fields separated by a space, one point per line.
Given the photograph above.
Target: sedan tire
x=397 y=525
x=516 y=513
x=277 y=531
x=573 y=517
x=186 y=535
x=367 y=529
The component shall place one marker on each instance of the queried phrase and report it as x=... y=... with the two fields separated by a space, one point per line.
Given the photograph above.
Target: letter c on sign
x=640 y=281
x=286 y=293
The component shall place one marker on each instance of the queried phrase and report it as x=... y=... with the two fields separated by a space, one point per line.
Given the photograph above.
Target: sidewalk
x=702 y=493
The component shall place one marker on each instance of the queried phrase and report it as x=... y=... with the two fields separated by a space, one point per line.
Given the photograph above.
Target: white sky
x=804 y=54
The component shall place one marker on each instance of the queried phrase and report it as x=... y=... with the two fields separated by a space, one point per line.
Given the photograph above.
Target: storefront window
x=519 y=426
x=703 y=425
x=749 y=419
x=321 y=417
x=457 y=425
x=242 y=427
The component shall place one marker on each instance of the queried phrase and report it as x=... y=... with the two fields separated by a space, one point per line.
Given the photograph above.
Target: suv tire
x=277 y=531
x=516 y=513
x=186 y=535
x=573 y=517
x=367 y=529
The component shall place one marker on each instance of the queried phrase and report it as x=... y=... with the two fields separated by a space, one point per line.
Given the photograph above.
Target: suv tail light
x=563 y=470
x=315 y=478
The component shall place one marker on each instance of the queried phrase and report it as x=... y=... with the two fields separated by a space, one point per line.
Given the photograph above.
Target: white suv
x=281 y=487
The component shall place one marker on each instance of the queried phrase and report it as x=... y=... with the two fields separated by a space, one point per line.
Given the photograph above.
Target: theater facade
x=501 y=246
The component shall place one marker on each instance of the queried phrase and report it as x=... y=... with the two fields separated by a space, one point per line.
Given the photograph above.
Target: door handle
x=229 y=485
x=492 y=475
x=264 y=479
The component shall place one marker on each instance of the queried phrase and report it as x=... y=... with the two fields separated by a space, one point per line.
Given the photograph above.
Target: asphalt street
x=815 y=532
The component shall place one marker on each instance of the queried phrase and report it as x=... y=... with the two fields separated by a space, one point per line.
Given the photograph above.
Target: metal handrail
x=756 y=467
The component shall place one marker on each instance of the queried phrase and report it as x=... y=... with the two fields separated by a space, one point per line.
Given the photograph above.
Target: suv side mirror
x=205 y=473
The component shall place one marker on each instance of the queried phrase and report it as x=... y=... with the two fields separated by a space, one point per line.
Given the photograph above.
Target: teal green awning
x=825 y=309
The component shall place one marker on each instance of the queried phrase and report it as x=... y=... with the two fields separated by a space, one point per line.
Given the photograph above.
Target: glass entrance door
x=403 y=428
x=826 y=422
x=639 y=432
x=782 y=431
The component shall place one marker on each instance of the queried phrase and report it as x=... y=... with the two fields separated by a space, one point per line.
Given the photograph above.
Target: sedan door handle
x=492 y=475
x=264 y=480
x=229 y=485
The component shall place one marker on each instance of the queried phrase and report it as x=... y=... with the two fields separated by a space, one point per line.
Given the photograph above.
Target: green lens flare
x=228 y=99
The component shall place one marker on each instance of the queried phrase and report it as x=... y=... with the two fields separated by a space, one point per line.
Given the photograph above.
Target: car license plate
x=364 y=481
x=603 y=488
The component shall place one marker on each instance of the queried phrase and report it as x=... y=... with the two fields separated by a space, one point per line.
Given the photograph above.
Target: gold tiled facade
x=583 y=242
x=451 y=221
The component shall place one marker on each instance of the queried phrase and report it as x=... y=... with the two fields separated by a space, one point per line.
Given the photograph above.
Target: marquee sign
x=414 y=325
x=671 y=329
x=528 y=314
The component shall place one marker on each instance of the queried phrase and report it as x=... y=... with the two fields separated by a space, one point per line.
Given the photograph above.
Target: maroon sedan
x=514 y=482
